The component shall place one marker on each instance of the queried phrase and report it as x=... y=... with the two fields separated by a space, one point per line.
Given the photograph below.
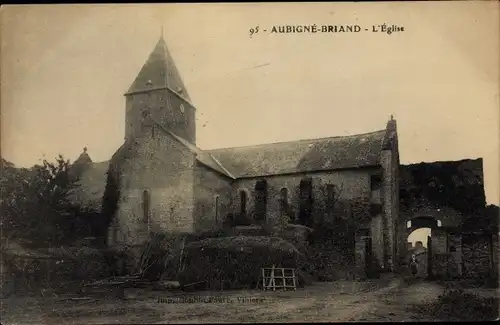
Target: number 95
x=254 y=31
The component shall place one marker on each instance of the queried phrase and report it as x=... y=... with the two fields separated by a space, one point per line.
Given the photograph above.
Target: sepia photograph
x=249 y=162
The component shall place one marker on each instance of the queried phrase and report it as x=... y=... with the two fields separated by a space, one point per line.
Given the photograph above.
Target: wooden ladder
x=278 y=278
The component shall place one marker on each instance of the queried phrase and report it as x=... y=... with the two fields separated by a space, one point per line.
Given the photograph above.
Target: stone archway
x=444 y=223
x=442 y=255
x=423 y=252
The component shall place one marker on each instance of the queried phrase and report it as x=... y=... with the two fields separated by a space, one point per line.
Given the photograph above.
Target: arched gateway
x=438 y=252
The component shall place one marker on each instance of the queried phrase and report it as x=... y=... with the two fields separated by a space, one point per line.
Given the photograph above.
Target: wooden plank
x=263 y=280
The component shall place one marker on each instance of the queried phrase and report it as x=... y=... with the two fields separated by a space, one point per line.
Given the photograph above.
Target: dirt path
x=396 y=305
x=321 y=302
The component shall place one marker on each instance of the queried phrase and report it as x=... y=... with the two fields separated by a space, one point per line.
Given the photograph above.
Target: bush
x=236 y=261
x=459 y=305
x=60 y=268
x=160 y=257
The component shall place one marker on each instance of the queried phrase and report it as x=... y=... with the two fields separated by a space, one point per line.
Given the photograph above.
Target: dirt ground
x=321 y=302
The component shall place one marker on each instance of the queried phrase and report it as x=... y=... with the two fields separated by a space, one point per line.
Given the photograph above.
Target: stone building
x=165 y=183
x=448 y=197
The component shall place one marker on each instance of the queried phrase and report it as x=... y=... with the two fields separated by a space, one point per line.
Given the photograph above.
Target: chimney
x=390 y=134
x=391 y=125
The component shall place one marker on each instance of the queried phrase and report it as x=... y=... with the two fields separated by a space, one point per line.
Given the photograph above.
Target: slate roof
x=355 y=151
x=84 y=158
x=159 y=71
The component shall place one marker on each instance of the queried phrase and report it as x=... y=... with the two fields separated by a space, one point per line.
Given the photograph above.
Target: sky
x=419 y=234
x=65 y=68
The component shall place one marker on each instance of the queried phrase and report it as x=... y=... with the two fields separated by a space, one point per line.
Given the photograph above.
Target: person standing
x=413 y=265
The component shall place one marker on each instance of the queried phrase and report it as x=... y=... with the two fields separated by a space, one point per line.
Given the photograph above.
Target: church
x=165 y=183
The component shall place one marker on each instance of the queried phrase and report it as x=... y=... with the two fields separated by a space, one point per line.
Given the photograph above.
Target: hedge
x=235 y=262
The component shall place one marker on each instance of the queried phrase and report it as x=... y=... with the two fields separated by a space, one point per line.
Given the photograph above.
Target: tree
x=34 y=200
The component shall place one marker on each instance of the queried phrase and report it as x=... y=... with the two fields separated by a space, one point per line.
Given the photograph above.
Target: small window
x=146 y=202
x=375 y=208
x=408 y=224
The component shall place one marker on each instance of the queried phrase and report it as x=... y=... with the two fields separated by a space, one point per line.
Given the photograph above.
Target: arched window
x=284 y=201
x=146 y=205
x=260 y=200
x=243 y=202
x=306 y=201
x=217 y=209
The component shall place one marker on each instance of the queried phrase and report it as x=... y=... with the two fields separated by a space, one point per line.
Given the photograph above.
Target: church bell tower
x=158 y=92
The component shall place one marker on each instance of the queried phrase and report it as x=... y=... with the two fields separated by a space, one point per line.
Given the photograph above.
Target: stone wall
x=377 y=235
x=390 y=194
x=349 y=184
x=209 y=185
x=353 y=195
x=159 y=164
x=477 y=255
x=455 y=259
x=164 y=107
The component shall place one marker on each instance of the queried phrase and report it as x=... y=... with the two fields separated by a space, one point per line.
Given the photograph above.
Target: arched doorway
x=418 y=236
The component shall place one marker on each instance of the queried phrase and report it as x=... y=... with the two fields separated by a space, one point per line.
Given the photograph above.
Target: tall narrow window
x=146 y=202
x=284 y=202
x=217 y=209
x=330 y=189
x=260 y=200
x=330 y=196
x=375 y=182
x=243 y=202
x=114 y=233
x=306 y=203
x=375 y=186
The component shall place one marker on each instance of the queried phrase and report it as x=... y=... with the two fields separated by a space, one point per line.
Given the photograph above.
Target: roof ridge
x=178 y=139
x=300 y=140
x=220 y=165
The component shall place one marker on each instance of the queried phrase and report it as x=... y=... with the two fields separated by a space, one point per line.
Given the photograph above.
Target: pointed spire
x=159 y=71
x=84 y=157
